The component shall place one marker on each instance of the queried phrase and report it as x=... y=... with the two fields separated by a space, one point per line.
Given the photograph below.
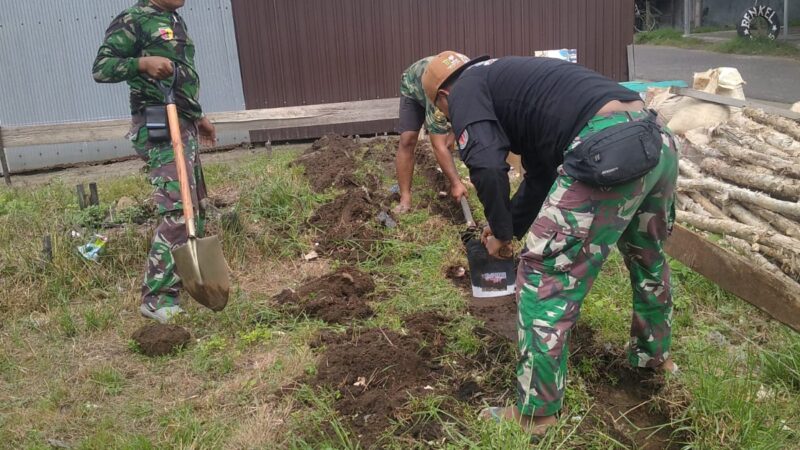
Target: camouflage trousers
x=565 y=249
x=161 y=286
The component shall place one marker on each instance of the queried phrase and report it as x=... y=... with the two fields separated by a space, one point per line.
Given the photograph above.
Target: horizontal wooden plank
x=259 y=119
x=735 y=274
x=735 y=102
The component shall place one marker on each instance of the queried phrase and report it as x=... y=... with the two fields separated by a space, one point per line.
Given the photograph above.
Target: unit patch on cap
x=463 y=140
x=455 y=59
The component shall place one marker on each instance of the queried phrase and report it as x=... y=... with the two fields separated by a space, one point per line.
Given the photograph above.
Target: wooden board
x=258 y=119
x=3 y=162
x=735 y=274
x=735 y=102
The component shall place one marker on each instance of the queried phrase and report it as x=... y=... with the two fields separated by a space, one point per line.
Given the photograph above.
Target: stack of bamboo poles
x=745 y=185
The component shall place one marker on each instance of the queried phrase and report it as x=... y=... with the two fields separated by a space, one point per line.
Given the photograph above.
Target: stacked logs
x=745 y=186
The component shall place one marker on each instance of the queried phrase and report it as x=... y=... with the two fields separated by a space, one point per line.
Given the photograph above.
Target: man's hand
x=156 y=67
x=458 y=190
x=498 y=249
x=486 y=234
x=208 y=134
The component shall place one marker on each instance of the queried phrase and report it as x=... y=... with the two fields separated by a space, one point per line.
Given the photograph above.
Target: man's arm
x=484 y=148
x=118 y=57
x=445 y=160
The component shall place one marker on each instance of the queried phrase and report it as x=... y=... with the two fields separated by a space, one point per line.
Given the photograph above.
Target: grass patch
x=109 y=379
x=740 y=46
x=758 y=46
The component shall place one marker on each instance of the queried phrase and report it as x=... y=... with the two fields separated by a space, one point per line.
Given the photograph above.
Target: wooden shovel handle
x=180 y=162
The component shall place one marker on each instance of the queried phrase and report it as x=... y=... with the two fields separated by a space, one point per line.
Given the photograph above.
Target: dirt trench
x=378 y=371
x=339 y=297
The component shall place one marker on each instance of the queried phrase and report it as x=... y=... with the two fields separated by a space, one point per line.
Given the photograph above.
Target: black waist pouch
x=156 y=122
x=616 y=155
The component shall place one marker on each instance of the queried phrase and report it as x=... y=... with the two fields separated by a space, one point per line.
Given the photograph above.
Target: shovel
x=200 y=262
x=489 y=276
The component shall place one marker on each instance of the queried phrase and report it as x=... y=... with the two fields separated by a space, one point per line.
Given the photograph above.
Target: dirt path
x=97 y=172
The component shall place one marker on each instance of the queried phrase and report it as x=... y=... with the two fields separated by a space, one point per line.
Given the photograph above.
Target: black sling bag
x=618 y=154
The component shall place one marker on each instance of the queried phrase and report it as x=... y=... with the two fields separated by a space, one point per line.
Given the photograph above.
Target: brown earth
x=627 y=399
x=377 y=372
x=348 y=225
x=459 y=275
x=158 y=339
x=499 y=314
x=339 y=297
x=330 y=162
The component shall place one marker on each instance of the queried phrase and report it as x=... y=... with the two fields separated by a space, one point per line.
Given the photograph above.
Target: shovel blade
x=490 y=277
x=204 y=272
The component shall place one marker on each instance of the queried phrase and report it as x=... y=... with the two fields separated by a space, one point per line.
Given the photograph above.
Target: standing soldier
x=601 y=171
x=416 y=110
x=148 y=42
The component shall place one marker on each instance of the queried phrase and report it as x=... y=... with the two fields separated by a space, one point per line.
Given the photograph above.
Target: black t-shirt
x=531 y=106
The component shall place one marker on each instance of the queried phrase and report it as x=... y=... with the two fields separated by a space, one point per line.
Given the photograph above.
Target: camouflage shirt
x=411 y=87
x=145 y=30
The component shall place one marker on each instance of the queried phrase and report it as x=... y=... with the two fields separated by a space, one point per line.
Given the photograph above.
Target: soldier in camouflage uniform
x=415 y=111
x=544 y=108
x=141 y=45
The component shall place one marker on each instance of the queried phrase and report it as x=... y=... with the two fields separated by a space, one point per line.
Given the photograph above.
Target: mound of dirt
x=376 y=370
x=348 y=227
x=331 y=161
x=626 y=398
x=159 y=339
x=339 y=297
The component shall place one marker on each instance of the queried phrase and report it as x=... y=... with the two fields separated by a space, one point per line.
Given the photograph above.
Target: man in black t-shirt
x=543 y=109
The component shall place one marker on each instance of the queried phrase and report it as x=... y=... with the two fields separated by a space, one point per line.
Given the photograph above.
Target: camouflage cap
x=442 y=67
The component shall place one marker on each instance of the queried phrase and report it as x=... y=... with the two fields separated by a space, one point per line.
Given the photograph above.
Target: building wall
x=47 y=48
x=297 y=52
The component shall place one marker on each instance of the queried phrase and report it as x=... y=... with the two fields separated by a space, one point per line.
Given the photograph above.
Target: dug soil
x=627 y=399
x=378 y=371
x=158 y=339
x=339 y=297
x=330 y=162
x=348 y=225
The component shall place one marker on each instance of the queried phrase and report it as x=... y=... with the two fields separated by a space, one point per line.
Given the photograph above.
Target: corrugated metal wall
x=297 y=52
x=47 y=48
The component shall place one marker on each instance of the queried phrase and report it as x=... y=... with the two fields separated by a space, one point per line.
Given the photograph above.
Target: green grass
x=712 y=28
x=109 y=379
x=69 y=371
x=761 y=46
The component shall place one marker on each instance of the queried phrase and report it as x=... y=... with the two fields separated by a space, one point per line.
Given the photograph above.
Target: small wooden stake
x=93 y=197
x=81 y=192
x=47 y=249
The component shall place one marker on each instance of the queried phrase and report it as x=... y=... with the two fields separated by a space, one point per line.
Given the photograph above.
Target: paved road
x=768 y=78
